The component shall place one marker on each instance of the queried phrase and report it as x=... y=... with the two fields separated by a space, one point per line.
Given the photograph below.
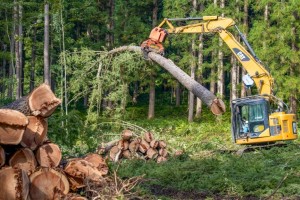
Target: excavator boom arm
x=215 y=24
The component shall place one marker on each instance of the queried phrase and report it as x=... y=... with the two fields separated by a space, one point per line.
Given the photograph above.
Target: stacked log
x=26 y=162
x=129 y=146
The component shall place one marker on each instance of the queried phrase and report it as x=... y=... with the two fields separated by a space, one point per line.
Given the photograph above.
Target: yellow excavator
x=256 y=119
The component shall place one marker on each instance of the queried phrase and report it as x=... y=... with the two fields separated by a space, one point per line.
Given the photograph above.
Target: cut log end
x=217 y=107
x=24 y=159
x=42 y=101
x=49 y=155
x=48 y=183
x=35 y=132
x=14 y=184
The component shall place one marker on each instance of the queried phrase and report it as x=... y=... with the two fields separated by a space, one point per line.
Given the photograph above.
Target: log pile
x=130 y=146
x=31 y=166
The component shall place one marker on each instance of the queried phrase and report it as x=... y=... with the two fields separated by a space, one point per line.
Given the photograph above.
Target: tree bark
x=199 y=78
x=245 y=23
x=191 y=94
x=212 y=87
x=233 y=78
x=220 y=58
x=17 y=50
x=216 y=105
x=151 y=110
x=32 y=69
x=21 y=52
x=177 y=94
x=110 y=24
x=47 y=74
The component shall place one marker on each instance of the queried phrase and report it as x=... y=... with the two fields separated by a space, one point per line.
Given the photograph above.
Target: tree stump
x=48 y=155
x=48 y=184
x=35 y=132
x=14 y=184
x=12 y=126
x=24 y=159
x=40 y=102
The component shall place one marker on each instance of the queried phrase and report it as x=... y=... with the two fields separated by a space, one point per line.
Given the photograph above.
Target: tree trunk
x=32 y=69
x=12 y=126
x=191 y=95
x=47 y=183
x=10 y=88
x=47 y=74
x=220 y=58
x=177 y=94
x=245 y=23
x=3 y=74
x=17 y=50
x=216 y=105
x=212 y=87
x=110 y=24
x=199 y=78
x=14 y=184
x=151 y=110
x=40 y=102
x=21 y=52
x=234 y=77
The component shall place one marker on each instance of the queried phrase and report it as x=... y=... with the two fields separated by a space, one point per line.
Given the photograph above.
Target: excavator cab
x=255 y=121
x=250 y=117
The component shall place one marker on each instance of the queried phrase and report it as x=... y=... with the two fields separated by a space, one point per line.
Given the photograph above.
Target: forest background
x=65 y=44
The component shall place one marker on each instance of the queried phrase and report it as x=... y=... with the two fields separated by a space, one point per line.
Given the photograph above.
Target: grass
x=208 y=169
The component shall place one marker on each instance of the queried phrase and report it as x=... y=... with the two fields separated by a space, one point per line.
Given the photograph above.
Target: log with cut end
x=162 y=144
x=40 y=102
x=14 y=184
x=35 y=132
x=83 y=169
x=12 y=126
x=148 y=137
x=154 y=144
x=163 y=152
x=2 y=157
x=49 y=155
x=97 y=161
x=47 y=183
x=144 y=146
x=134 y=146
x=127 y=134
x=115 y=154
x=106 y=147
x=127 y=154
x=216 y=105
x=24 y=159
x=123 y=144
x=152 y=153
x=161 y=159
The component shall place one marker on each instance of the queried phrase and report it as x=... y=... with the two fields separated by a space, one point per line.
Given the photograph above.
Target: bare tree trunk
x=191 y=95
x=233 y=78
x=3 y=73
x=32 y=69
x=245 y=19
x=10 y=88
x=21 y=54
x=212 y=87
x=177 y=94
x=221 y=64
x=152 y=77
x=151 y=97
x=135 y=92
x=199 y=78
x=47 y=74
x=17 y=50
x=110 y=25
x=293 y=94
